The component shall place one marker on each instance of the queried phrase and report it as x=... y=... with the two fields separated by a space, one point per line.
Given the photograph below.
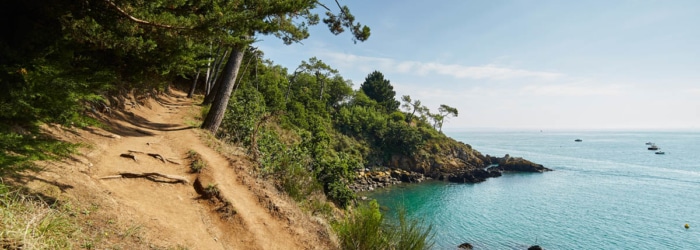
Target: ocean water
x=607 y=192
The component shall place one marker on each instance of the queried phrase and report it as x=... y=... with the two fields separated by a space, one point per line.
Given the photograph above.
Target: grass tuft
x=197 y=164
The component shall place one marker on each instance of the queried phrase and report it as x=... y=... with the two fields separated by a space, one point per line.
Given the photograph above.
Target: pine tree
x=380 y=90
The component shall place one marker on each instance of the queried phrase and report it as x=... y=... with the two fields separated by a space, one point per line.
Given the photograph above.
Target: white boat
x=653 y=147
x=659 y=152
x=650 y=143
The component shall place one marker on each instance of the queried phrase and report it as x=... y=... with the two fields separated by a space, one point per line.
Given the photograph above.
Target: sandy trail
x=173 y=214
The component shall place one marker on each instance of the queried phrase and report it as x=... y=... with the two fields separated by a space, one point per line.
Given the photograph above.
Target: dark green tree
x=380 y=90
x=286 y=19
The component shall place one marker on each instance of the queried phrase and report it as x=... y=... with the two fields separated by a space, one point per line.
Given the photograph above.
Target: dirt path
x=172 y=214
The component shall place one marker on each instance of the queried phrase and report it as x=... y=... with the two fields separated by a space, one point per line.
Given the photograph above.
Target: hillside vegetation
x=68 y=66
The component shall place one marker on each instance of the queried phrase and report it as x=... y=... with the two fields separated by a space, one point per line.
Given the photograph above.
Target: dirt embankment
x=223 y=207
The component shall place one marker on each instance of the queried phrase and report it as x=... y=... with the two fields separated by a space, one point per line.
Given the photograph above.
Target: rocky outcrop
x=440 y=159
x=474 y=176
x=444 y=159
x=369 y=181
x=517 y=164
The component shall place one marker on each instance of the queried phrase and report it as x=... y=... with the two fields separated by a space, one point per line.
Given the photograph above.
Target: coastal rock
x=474 y=176
x=517 y=164
x=371 y=180
x=466 y=246
x=442 y=159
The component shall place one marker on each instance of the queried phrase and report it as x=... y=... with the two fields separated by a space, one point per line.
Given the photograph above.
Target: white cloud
x=488 y=71
x=572 y=90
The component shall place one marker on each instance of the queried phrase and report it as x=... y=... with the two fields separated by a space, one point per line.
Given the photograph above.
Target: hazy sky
x=609 y=64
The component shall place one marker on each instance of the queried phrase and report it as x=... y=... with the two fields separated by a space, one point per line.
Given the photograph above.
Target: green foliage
x=363 y=229
x=401 y=138
x=334 y=172
x=379 y=89
x=366 y=228
x=288 y=165
x=242 y=115
x=410 y=234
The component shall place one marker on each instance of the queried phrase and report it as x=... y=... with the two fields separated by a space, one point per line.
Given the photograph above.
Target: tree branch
x=323 y=5
x=140 y=21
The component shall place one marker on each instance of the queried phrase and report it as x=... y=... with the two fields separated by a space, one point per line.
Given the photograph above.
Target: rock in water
x=520 y=165
x=535 y=247
x=465 y=246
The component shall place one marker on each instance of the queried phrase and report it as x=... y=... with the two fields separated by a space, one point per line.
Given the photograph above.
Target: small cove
x=607 y=192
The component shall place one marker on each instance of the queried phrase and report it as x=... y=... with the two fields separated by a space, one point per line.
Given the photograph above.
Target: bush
x=365 y=229
x=362 y=229
x=242 y=115
x=288 y=164
x=410 y=234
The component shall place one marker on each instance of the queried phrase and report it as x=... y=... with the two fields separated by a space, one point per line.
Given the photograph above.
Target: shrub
x=410 y=234
x=362 y=229
x=365 y=229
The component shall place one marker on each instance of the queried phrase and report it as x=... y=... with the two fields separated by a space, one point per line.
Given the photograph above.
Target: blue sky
x=506 y=64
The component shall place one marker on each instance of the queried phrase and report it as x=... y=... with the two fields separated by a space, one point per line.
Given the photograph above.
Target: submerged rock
x=465 y=246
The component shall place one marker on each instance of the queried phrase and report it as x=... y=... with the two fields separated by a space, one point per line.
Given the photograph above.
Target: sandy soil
x=142 y=213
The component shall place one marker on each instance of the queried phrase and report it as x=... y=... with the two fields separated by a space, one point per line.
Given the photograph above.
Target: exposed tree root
x=129 y=155
x=154 y=155
x=153 y=176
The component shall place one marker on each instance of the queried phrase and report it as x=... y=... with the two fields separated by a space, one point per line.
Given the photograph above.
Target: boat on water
x=653 y=147
x=650 y=143
x=660 y=153
x=578 y=140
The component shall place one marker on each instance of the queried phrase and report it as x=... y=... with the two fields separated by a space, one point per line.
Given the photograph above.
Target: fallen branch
x=151 y=176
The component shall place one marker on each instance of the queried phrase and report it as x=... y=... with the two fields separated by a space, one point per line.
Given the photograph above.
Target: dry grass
x=28 y=222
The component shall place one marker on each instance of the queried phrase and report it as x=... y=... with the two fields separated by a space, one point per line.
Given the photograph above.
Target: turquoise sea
x=607 y=192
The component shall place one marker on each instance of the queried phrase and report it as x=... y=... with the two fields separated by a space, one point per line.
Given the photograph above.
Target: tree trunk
x=209 y=71
x=218 y=106
x=217 y=68
x=194 y=85
x=321 y=83
x=215 y=86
